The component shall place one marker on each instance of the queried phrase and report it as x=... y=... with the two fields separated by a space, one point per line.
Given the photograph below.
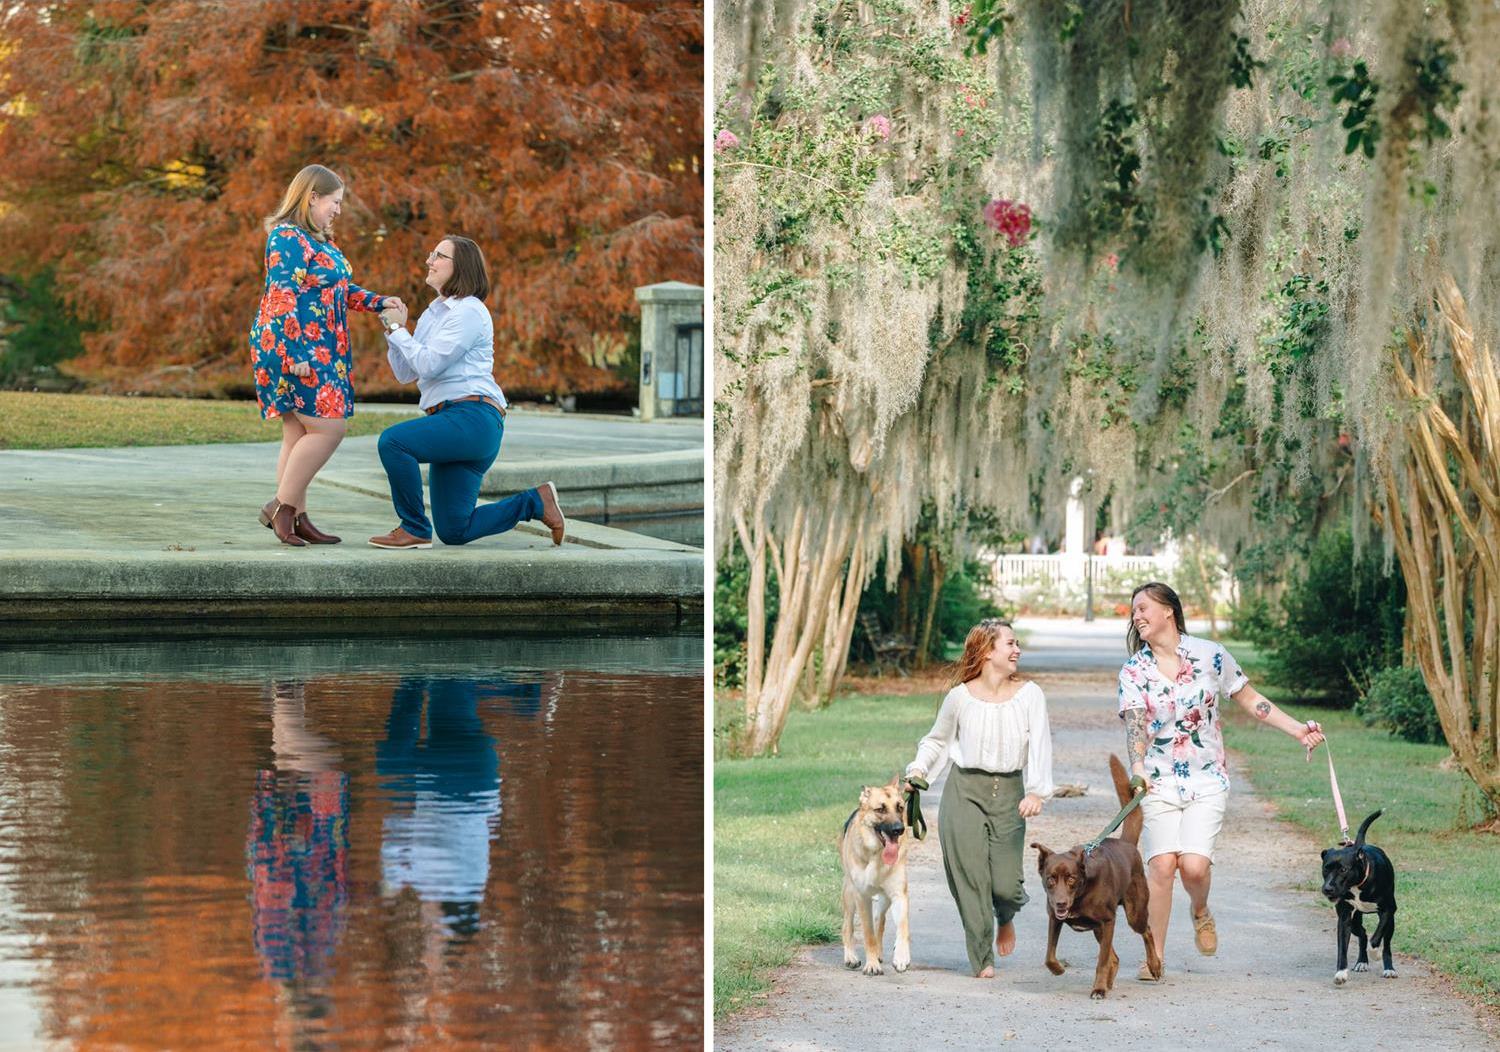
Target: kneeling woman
x=451 y=356
x=993 y=724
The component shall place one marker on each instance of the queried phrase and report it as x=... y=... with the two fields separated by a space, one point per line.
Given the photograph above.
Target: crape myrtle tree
x=144 y=142
x=1263 y=306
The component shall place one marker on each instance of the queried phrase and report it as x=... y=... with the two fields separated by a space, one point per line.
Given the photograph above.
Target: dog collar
x=1367 y=873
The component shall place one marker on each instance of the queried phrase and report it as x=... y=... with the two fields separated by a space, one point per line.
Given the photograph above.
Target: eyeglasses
x=435 y=254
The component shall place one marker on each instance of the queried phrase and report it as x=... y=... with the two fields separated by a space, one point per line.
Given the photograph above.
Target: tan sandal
x=1145 y=976
x=1205 y=935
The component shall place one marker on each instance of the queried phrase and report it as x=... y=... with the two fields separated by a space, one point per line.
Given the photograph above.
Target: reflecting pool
x=404 y=844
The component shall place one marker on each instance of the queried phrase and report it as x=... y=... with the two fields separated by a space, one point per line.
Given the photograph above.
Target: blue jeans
x=460 y=442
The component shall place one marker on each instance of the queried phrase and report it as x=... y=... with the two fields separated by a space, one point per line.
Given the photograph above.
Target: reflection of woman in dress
x=298 y=847
x=300 y=344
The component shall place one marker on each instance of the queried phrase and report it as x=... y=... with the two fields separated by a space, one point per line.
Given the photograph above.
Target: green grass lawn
x=65 y=421
x=776 y=827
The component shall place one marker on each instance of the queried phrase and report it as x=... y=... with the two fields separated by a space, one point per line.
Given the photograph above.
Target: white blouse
x=998 y=737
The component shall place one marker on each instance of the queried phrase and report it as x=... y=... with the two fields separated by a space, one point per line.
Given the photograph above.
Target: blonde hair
x=296 y=202
x=981 y=640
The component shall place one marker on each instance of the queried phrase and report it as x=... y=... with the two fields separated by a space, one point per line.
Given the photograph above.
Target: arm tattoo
x=1262 y=710
x=1135 y=734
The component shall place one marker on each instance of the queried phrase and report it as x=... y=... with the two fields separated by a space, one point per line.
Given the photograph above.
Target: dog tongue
x=890 y=851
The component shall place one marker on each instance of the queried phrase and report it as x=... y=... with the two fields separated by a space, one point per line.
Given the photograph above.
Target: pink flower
x=1341 y=48
x=725 y=140
x=1010 y=219
x=962 y=19
x=1112 y=261
x=1182 y=747
x=878 y=126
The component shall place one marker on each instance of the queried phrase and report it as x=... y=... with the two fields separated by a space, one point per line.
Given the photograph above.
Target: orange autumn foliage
x=143 y=144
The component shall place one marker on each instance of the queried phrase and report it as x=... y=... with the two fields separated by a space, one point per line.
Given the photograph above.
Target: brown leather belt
x=466 y=398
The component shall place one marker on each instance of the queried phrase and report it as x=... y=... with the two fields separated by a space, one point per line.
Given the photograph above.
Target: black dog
x=1358 y=878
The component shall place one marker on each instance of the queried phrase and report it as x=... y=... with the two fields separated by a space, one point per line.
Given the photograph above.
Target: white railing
x=1019 y=571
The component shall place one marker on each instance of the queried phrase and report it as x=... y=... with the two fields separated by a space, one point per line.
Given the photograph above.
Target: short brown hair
x=470 y=276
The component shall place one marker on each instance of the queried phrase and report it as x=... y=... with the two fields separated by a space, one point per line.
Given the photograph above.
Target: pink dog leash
x=1333 y=780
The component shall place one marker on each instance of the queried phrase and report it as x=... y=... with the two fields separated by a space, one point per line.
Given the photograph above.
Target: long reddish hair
x=977 y=646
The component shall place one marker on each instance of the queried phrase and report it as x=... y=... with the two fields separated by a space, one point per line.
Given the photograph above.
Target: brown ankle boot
x=284 y=524
x=266 y=511
x=310 y=533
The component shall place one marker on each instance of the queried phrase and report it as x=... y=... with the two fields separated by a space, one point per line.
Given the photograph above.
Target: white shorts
x=1190 y=828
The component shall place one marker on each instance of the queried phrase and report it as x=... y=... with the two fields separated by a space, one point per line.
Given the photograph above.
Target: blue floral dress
x=303 y=317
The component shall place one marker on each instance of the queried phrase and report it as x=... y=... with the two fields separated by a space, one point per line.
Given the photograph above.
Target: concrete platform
x=116 y=541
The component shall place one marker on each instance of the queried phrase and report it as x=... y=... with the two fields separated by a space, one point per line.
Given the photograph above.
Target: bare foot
x=987 y=973
x=1005 y=940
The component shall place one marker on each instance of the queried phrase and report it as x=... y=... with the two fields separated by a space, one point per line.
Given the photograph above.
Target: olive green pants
x=983 y=838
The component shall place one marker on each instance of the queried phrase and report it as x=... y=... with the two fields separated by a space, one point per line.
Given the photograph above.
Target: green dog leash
x=1138 y=784
x=914 y=819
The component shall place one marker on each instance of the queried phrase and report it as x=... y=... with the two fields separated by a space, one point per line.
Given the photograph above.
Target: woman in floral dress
x=1170 y=692
x=300 y=345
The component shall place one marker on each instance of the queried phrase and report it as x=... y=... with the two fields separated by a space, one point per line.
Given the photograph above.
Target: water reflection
x=298 y=854
x=320 y=860
x=444 y=789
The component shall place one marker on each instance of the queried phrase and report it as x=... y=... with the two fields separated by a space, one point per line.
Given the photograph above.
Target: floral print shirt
x=1185 y=750
x=303 y=317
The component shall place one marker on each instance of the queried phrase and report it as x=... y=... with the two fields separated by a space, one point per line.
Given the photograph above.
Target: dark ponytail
x=1162 y=594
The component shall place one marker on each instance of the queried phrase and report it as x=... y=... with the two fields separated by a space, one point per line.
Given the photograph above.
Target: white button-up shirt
x=1185 y=757
x=452 y=353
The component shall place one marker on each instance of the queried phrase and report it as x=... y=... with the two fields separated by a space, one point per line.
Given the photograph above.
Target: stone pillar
x=1074 y=537
x=672 y=352
x=1073 y=533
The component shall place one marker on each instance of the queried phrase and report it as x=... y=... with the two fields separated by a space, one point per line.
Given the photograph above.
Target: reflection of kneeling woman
x=451 y=356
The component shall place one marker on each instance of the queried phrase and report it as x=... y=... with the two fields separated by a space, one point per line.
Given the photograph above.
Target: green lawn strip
x=63 y=421
x=1447 y=877
x=776 y=827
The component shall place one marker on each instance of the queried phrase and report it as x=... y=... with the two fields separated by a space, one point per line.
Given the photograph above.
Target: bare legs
x=1197 y=875
x=306 y=444
x=291 y=432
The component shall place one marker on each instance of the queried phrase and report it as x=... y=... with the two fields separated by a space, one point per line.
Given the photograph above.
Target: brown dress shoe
x=399 y=538
x=552 y=516
x=310 y=533
x=283 y=524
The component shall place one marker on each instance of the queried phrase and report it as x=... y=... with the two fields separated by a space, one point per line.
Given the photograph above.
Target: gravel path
x=1270 y=986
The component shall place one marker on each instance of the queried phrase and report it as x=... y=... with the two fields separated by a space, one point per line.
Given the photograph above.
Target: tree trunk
x=841 y=624
x=753 y=542
x=1208 y=590
x=1447 y=535
x=913 y=555
x=934 y=589
x=808 y=579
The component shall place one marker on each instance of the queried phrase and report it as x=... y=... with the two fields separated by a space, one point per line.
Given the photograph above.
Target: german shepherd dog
x=1085 y=891
x=873 y=849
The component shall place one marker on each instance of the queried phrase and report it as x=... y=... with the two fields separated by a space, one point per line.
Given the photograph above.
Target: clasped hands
x=394 y=313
